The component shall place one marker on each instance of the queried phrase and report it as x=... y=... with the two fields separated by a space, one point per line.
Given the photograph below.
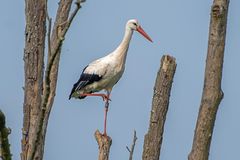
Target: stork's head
x=134 y=25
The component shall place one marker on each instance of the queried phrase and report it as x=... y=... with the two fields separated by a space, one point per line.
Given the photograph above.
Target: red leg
x=105 y=118
x=104 y=96
x=105 y=113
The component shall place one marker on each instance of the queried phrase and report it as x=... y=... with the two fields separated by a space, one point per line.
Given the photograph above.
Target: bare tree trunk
x=35 y=32
x=104 y=144
x=40 y=91
x=5 y=153
x=160 y=102
x=212 y=92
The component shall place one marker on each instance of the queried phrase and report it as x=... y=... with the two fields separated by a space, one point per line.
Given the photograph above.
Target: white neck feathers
x=122 y=49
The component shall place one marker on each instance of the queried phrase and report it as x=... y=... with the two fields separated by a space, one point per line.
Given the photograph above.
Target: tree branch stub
x=104 y=144
x=160 y=102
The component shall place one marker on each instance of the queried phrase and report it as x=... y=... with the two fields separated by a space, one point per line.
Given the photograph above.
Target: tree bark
x=51 y=72
x=40 y=91
x=160 y=102
x=212 y=92
x=5 y=153
x=35 y=32
x=104 y=144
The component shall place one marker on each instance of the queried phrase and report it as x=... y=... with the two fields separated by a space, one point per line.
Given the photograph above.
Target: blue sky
x=178 y=28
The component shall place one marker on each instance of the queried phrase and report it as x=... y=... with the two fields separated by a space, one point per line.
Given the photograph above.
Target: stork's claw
x=105 y=134
x=106 y=98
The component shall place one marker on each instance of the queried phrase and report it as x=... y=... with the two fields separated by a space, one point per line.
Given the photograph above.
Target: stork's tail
x=76 y=95
x=71 y=94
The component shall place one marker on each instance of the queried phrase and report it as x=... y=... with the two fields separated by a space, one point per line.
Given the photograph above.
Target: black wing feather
x=84 y=80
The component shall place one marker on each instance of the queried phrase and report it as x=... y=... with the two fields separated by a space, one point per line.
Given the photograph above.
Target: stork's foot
x=105 y=134
x=104 y=96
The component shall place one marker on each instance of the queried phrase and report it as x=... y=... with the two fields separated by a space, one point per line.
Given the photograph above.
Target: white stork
x=104 y=73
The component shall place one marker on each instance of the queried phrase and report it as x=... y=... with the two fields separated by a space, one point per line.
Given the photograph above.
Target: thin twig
x=128 y=149
x=69 y=22
x=133 y=146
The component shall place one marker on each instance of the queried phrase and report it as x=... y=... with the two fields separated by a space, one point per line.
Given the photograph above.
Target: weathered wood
x=40 y=92
x=212 y=92
x=51 y=72
x=5 y=153
x=33 y=67
x=104 y=144
x=61 y=26
x=160 y=102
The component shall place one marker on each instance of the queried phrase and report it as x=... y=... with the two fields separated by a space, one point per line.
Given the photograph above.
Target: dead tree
x=40 y=87
x=104 y=144
x=160 y=102
x=212 y=92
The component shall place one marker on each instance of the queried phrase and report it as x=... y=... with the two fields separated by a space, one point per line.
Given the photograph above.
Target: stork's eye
x=134 y=23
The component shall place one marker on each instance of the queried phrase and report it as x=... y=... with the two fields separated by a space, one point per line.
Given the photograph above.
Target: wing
x=94 y=72
x=84 y=80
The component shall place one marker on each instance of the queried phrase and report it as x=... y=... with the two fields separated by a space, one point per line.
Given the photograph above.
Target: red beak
x=140 y=30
